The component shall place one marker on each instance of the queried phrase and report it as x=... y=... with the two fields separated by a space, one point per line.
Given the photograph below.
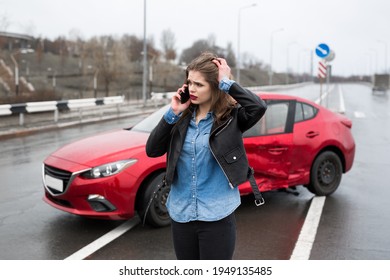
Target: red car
x=110 y=176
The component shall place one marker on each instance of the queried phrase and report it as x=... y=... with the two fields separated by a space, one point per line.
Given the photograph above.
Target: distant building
x=11 y=41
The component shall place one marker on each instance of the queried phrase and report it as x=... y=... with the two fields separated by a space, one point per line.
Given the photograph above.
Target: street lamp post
x=271 y=53
x=301 y=60
x=288 y=61
x=369 y=64
x=95 y=82
x=16 y=75
x=385 y=44
x=238 y=40
x=151 y=63
x=145 y=69
x=54 y=81
x=375 y=59
x=27 y=69
x=53 y=78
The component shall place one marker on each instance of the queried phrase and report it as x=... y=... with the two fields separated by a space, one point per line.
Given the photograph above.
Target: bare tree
x=61 y=46
x=134 y=47
x=29 y=28
x=230 y=56
x=110 y=60
x=120 y=64
x=211 y=39
x=102 y=54
x=168 y=45
x=75 y=47
x=4 y=23
x=201 y=46
x=39 y=50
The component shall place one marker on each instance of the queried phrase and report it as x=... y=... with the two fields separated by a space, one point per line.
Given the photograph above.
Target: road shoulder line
x=308 y=232
x=342 y=104
x=104 y=240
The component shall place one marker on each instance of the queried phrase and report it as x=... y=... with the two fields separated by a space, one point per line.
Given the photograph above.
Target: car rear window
x=304 y=111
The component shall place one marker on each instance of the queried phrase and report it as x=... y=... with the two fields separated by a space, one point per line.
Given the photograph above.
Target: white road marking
x=376 y=116
x=301 y=251
x=104 y=240
x=359 y=115
x=308 y=232
x=323 y=96
x=341 y=100
x=304 y=244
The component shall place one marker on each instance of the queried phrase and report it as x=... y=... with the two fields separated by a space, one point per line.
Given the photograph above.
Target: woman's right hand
x=177 y=106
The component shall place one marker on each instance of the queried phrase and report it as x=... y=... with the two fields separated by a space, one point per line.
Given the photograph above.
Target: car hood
x=103 y=148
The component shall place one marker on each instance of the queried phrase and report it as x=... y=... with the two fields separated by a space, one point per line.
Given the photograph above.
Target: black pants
x=199 y=240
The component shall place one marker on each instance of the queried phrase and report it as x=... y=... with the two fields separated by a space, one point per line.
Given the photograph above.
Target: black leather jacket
x=225 y=140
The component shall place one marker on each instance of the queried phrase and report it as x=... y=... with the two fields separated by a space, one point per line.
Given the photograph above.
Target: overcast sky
x=358 y=31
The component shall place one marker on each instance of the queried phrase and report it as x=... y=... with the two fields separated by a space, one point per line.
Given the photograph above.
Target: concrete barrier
x=45 y=106
x=55 y=106
x=5 y=110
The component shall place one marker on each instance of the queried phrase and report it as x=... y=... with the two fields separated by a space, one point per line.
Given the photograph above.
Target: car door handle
x=312 y=134
x=277 y=151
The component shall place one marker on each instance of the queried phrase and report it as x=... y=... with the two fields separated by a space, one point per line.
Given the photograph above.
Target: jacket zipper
x=169 y=155
x=212 y=152
x=226 y=124
x=230 y=184
x=219 y=132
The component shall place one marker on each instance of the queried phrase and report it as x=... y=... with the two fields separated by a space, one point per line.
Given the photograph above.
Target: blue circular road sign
x=322 y=50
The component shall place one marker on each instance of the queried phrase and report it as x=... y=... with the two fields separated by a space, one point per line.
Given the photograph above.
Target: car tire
x=325 y=175
x=156 y=210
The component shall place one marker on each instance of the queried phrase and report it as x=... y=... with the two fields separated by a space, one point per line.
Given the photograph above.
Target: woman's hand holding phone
x=184 y=95
x=181 y=100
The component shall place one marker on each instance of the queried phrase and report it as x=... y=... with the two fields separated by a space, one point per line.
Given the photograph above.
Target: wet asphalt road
x=354 y=222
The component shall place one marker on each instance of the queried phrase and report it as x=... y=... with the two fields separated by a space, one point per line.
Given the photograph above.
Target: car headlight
x=108 y=169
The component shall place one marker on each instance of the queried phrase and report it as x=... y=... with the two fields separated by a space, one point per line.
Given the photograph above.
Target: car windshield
x=147 y=124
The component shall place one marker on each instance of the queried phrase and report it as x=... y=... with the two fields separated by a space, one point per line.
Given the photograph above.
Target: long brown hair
x=221 y=102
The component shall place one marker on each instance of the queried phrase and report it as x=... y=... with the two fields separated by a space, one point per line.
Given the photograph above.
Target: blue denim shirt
x=200 y=190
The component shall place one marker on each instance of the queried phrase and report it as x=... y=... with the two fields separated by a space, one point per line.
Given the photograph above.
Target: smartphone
x=184 y=95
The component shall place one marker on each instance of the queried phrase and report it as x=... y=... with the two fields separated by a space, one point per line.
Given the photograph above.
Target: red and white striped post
x=321 y=75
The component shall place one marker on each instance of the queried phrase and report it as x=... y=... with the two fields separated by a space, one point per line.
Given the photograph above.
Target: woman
x=206 y=159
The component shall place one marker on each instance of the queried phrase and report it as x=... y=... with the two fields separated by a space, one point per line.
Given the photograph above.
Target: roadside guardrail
x=57 y=106
x=157 y=99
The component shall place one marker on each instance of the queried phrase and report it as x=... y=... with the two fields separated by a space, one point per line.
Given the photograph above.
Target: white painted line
x=376 y=115
x=308 y=233
x=301 y=251
x=323 y=96
x=359 y=115
x=104 y=240
x=342 y=104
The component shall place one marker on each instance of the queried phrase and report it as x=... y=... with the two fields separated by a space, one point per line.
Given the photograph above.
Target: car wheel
x=156 y=210
x=325 y=175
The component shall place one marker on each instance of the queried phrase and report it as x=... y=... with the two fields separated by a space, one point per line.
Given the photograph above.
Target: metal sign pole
x=321 y=90
x=326 y=54
x=328 y=73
